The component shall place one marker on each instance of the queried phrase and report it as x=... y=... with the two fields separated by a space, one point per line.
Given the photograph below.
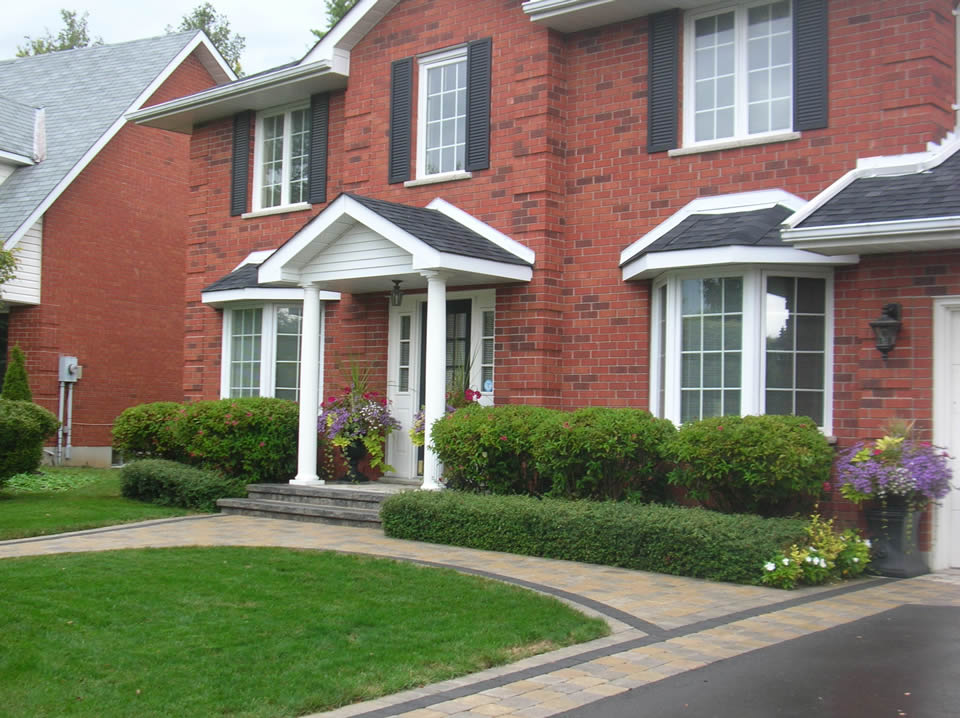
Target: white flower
x=856 y=560
x=786 y=562
x=823 y=563
x=808 y=560
x=770 y=566
x=867 y=542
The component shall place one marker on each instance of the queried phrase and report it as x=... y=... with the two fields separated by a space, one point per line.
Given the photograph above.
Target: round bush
x=146 y=431
x=770 y=465
x=24 y=427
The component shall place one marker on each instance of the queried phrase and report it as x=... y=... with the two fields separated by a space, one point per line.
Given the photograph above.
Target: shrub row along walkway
x=662 y=625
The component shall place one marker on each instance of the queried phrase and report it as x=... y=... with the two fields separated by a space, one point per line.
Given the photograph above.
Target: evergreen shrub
x=16 y=385
x=24 y=427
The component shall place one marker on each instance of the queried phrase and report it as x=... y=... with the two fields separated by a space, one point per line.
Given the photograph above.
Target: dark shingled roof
x=759 y=227
x=921 y=195
x=439 y=231
x=240 y=278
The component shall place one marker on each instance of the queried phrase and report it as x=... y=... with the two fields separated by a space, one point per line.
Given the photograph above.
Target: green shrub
x=16 y=386
x=602 y=453
x=254 y=438
x=825 y=555
x=146 y=431
x=668 y=539
x=769 y=465
x=489 y=448
x=169 y=483
x=24 y=427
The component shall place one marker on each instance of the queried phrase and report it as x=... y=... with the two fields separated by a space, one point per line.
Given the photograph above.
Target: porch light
x=396 y=296
x=887 y=327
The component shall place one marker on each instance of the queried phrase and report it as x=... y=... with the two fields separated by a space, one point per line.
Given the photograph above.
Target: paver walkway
x=661 y=625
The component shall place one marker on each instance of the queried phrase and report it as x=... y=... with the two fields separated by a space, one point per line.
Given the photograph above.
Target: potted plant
x=358 y=422
x=899 y=477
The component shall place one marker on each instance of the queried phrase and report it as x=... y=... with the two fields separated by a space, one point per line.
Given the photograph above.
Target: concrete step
x=356 y=496
x=295 y=511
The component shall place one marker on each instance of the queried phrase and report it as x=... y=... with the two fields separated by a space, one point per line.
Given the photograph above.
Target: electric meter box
x=70 y=370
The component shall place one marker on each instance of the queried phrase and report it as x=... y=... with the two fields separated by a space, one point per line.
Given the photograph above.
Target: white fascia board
x=258 y=257
x=655 y=263
x=261 y=294
x=885 y=166
x=574 y=15
x=445 y=262
x=94 y=150
x=505 y=243
x=879 y=237
x=16 y=159
x=719 y=204
x=350 y=29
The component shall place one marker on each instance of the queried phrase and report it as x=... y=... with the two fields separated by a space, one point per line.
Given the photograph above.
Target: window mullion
x=752 y=367
x=268 y=340
x=287 y=158
x=740 y=113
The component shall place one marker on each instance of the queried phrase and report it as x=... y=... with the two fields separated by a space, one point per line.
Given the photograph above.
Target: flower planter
x=893 y=530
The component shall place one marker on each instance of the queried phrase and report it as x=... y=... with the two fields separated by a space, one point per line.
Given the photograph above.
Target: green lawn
x=69 y=499
x=251 y=631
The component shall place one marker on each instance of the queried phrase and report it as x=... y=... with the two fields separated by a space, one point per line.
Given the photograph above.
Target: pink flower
x=826 y=486
x=262 y=444
x=503 y=438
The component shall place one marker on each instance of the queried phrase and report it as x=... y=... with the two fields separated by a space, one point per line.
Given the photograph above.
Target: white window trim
x=268 y=345
x=424 y=64
x=740 y=137
x=258 y=210
x=753 y=366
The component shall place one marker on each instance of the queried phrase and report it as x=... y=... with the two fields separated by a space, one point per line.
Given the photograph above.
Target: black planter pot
x=354 y=453
x=893 y=531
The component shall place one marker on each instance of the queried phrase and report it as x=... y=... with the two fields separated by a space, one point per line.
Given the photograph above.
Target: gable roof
x=85 y=94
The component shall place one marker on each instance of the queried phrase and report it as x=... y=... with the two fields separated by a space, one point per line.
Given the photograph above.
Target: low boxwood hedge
x=168 y=483
x=675 y=540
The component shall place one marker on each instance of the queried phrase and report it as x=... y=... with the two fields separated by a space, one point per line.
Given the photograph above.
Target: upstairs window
x=282 y=158
x=442 y=113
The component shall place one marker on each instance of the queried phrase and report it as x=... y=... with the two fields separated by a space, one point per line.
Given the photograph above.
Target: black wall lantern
x=886 y=328
x=396 y=295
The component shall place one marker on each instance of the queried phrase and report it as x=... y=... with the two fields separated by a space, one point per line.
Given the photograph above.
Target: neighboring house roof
x=85 y=94
x=17 y=121
x=759 y=227
x=439 y=231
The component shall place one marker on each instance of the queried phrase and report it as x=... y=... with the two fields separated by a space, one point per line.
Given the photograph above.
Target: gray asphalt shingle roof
x=84 y=92
x=921 y=195
x=760 y=227
x=16 y=127
x=240 y=278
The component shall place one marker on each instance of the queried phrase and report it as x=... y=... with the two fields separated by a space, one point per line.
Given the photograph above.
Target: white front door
x=946 y=549
x=406 y=361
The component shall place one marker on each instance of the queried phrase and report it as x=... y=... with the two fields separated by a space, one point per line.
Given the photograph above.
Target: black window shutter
x=662 y=80
x=319 y=124
x=401 y=104
x=810 y=103
x=479 y=61
x=240 y=162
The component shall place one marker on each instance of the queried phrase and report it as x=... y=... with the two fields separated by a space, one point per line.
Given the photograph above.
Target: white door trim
x=943 y=532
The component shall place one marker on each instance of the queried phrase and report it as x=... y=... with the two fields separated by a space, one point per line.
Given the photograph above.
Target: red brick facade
x=112 y=273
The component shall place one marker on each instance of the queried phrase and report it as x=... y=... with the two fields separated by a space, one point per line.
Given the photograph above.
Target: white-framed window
x=738 y=72
x=281 y=158
x=261 y=350
x=442 y=113
x=746 y=340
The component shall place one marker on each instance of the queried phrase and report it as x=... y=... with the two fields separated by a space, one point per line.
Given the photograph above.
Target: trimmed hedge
x=602 y=453
x=768 y=465
x=169 y=483
x=681 y=541
x=24 y=426
x=144 y=431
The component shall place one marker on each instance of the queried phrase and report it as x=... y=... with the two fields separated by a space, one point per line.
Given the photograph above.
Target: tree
x=74 y=34
x=16 y=386
x=217 y=27
x=336 y=9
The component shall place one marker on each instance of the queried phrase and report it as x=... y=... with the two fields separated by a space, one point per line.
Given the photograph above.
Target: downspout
x=59 y=457
x=69 y=420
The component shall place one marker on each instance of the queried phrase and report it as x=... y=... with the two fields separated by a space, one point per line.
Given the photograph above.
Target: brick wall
x=112 y=273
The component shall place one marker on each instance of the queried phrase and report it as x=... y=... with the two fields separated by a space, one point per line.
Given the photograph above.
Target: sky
x=275 y=33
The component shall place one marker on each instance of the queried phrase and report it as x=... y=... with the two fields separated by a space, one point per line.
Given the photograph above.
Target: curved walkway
x=661 y=625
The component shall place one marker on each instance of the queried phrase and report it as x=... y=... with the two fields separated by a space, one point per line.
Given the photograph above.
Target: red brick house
x=592 y=202
x=94 y=208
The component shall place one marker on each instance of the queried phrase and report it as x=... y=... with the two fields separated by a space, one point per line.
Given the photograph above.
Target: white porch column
x=436 y=371
x=309 y=388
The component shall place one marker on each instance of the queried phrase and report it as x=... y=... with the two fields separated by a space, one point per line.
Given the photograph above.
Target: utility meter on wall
x=70 y=370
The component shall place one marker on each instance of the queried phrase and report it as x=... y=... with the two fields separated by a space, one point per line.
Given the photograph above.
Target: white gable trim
x=483 y=229
x=261 y=294
x=199 y=39
x=722 y=204
x=336 y=45
x=13 y=158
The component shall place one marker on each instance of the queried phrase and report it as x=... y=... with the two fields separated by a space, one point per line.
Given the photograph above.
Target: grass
x=249 y=632
x=69 y=499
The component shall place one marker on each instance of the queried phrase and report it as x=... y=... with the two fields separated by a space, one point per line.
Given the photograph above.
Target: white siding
x=358 y=253
x=25 y=287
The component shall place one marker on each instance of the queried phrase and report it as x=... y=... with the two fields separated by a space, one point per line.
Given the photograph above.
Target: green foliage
x=217 y=27
x=602 y=453
x=667 y=539
x=16 y=385
x=145 y=431
x=24 y=427
x=73 y=35
x=8 y=266
x=769 y=465
x=336 y=9
x=490 y=448
x=826 y=555
x=253 y=439
x=169 y=483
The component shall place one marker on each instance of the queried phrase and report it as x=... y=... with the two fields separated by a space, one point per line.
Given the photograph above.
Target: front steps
x=341 y=504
